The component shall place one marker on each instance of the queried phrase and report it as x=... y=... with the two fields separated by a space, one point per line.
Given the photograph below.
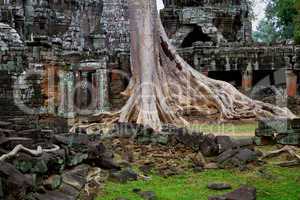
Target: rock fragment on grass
x=148 y=195
x=219 y=186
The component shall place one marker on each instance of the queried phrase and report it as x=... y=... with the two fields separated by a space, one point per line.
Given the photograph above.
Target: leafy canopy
x=281 y=22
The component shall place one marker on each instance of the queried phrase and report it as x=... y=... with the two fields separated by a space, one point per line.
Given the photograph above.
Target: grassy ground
x=242 y=129
x=274 y=183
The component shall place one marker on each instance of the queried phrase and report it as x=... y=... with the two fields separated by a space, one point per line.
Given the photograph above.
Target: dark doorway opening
x=232 y=77
x=265 y=77
x=195 y=36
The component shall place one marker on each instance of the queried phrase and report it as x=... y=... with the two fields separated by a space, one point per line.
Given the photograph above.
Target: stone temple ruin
x=72 y=57
x=215 y=38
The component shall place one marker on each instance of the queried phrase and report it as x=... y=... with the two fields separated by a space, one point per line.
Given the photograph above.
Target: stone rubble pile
x=225 y=151
x=83 y=160
x=293 y=103
x=281 y=131
x=61 y=175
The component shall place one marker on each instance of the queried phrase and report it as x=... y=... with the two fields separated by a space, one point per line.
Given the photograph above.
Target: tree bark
x=163 y=86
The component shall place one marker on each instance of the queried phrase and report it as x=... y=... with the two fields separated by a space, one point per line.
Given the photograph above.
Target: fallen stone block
x=245 y=142
x=219 y=186
x=15 y=183
x=53 y=182
x=209 y=147
x=76 y=177
x=243 y=193
x=226 y=155
x=123 y=176
x=148 y=195
x=245 y=156
x=224 y=143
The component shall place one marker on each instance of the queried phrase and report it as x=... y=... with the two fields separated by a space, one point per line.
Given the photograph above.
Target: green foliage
x=297 y=34
x=286 y=12
x=266 y=32
x=297 y=23
x=272 y=183
x=280 y=23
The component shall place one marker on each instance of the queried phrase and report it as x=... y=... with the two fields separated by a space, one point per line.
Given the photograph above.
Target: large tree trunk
x=164 y=86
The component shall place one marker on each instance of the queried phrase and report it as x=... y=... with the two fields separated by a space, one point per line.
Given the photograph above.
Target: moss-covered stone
x=162 y=139
x=23 y=166
x=40 y=167
x=76 y=159
x=53 y=182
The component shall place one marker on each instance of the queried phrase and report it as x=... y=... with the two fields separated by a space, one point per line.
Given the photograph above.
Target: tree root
x=39 y=151
x=291 y=150
x=163 y=86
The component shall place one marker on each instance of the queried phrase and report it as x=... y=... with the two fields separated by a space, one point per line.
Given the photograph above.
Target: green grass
x=278 y=184
x=226 y=128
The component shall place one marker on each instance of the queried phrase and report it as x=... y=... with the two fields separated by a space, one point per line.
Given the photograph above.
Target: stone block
x=53 y=182
x=124 y=175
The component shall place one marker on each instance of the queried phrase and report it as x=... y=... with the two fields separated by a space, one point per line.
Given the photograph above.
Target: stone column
x=66 y=107
x=296 y=58
x=291 y=81
x=62 y=93
x=71 y=92
x=84 y=89
x=102 y=98
x=29 y=15
x=227 y=66
x=51 y=87
x=247 y=79
x=77 y=90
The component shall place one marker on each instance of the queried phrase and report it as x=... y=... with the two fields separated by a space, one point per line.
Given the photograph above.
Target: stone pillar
x=71 y=92
x=296 y=58
x=291 y=81
x=102 y=97
x=256 y=64
x=50 y=88
x=247 y=79
x=77 y=90
x=62 y=91
x=227 y=66
x=213 y=64
x=84 y=89
x=66 y=107
x=95 y=90
x=29 y=15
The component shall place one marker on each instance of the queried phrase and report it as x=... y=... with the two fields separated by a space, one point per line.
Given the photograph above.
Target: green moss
x=282 y=184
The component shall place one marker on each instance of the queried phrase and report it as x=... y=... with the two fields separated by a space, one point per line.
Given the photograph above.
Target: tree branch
x=39 y=151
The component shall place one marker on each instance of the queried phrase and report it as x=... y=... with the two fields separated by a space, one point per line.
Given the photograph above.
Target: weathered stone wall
x=237 y=56
x=67 y=22
x=213 y=36
x=115 y=25
x=219 y=22
x=182 y=3
x=40 y=34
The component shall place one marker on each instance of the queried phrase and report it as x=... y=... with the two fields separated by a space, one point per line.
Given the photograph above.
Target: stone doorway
x=84 y=89
x=86 y=92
